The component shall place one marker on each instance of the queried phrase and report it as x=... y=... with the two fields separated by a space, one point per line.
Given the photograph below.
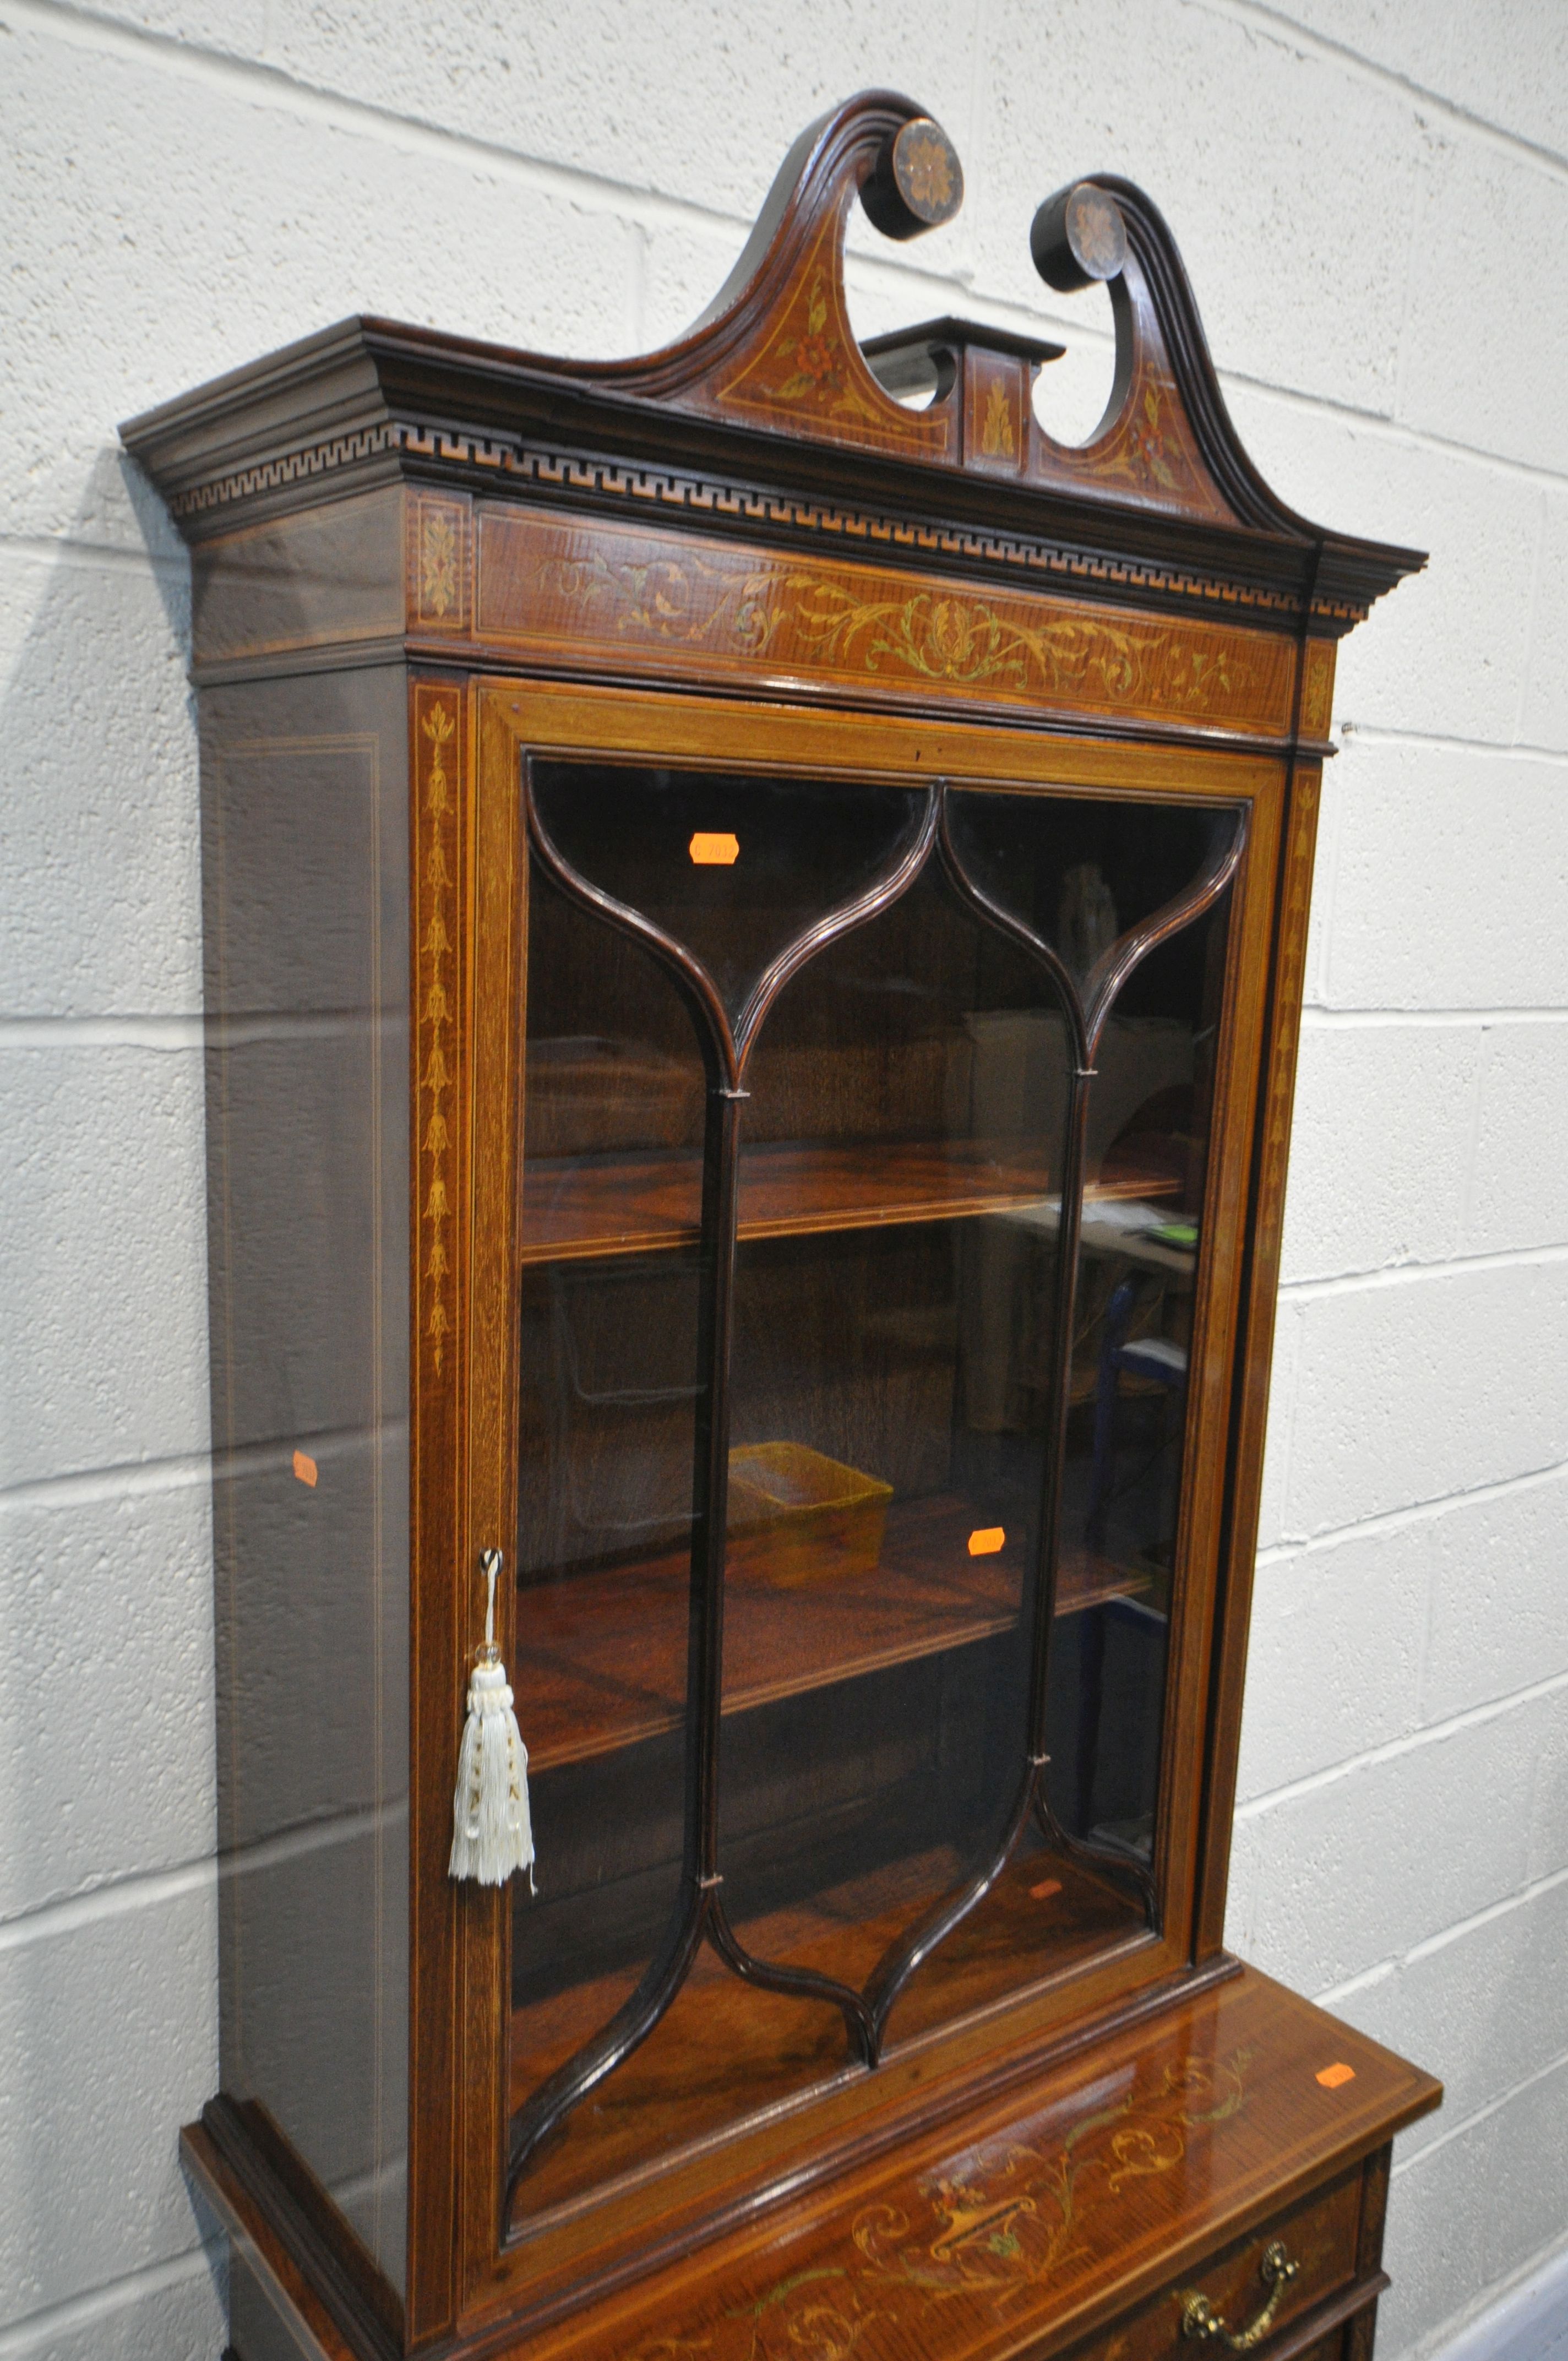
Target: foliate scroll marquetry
x=1317 y=688
x=582 y=593
x=496 y=456
x=776 y=348
x=1148 y=451
x=440 y=568
x=777 y=351
x=809 y=371
x=438 y=715
x=969 y=2246
x=437 y=1660
x=997 y=418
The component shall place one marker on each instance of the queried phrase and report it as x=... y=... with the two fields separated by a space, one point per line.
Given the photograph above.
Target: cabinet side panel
x=1276 y=1089
x=324 y=579
x=258 y=2330
x=304 y=793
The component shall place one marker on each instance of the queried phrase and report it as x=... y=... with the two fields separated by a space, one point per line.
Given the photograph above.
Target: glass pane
x=1148 y=1138
x=892 y=1385
x=734 y=867
x=897 y=1372
x=1081 y=873
x=610 y=1390
x=613 y=1108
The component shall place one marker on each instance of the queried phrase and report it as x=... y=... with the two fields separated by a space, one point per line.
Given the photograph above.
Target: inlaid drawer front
x=1247 y=2295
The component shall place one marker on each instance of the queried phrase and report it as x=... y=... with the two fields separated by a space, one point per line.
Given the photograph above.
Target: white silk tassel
x=491 y=1834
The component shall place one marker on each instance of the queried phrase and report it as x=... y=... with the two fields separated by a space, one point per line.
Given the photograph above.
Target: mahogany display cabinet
x=754 y=917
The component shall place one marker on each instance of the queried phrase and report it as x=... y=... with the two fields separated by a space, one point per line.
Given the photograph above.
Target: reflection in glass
x=734 y=867
x=307 y=962
x=924 y=1458
x=1085 y=874
x=1150 y=1114
x=895 y=1346
x=609 y=1400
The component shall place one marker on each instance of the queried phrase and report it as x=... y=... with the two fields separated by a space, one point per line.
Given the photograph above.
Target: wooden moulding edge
x=286 y=2242
x=507 y=664
x=804 y=2173
x=1350 y=2302
x=307 y=2283
x=286 y=2286
x=498 y=2336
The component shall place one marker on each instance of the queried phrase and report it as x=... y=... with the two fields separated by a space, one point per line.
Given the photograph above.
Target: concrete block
x=1447 y=652
x=1487 y=221
x=107 y=1601
x=234 y=28
x=1506 y=64
x=704 y=111
x=1242 y=1897
x=1073 y=394
x=258 y=224
x=100 y=876
x=1549 y=1804
x=1264 y=193
x=1319 y=915
x=1283 y=1379
x=1518 y=1182
x=1335 y=1663
x=1529 y=2322
x=1499 y=1578
x=108 y=2044
x=684 y=267
x=1420 y=1388
x=1359 y=1869
x=177 y=2314
x=1510 y=65
x=102 y=1259
x=1483 y=2010
x=1379 y=1146
x=1543 y=715
x=1466 y=2214
x=1450 y=874
x=1400 y=35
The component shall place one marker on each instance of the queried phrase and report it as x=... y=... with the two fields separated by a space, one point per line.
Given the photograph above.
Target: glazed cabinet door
x=874 y=1092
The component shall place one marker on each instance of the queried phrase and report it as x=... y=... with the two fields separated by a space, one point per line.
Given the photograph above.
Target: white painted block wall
x=1373 y=199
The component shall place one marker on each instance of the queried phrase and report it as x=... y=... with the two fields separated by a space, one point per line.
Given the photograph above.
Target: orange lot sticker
x=711 y=852
x=304 y=1468
x=1046 y=1888
x=1332 y=2077
x=985 y=1540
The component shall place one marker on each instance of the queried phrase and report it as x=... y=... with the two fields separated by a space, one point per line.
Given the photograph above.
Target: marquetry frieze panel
x=436 y=947
x=1317 y=688
x=584 y=592
x=439 y=561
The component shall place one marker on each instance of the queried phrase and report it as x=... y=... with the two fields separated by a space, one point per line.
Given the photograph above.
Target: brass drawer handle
x=1201 y=2320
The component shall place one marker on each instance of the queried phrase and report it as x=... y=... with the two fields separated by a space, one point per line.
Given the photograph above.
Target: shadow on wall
x=107 y=2015
x=99 y=874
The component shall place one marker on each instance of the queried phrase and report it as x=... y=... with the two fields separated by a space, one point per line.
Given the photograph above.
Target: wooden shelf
x=605 y=1651
x=574 y=1207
